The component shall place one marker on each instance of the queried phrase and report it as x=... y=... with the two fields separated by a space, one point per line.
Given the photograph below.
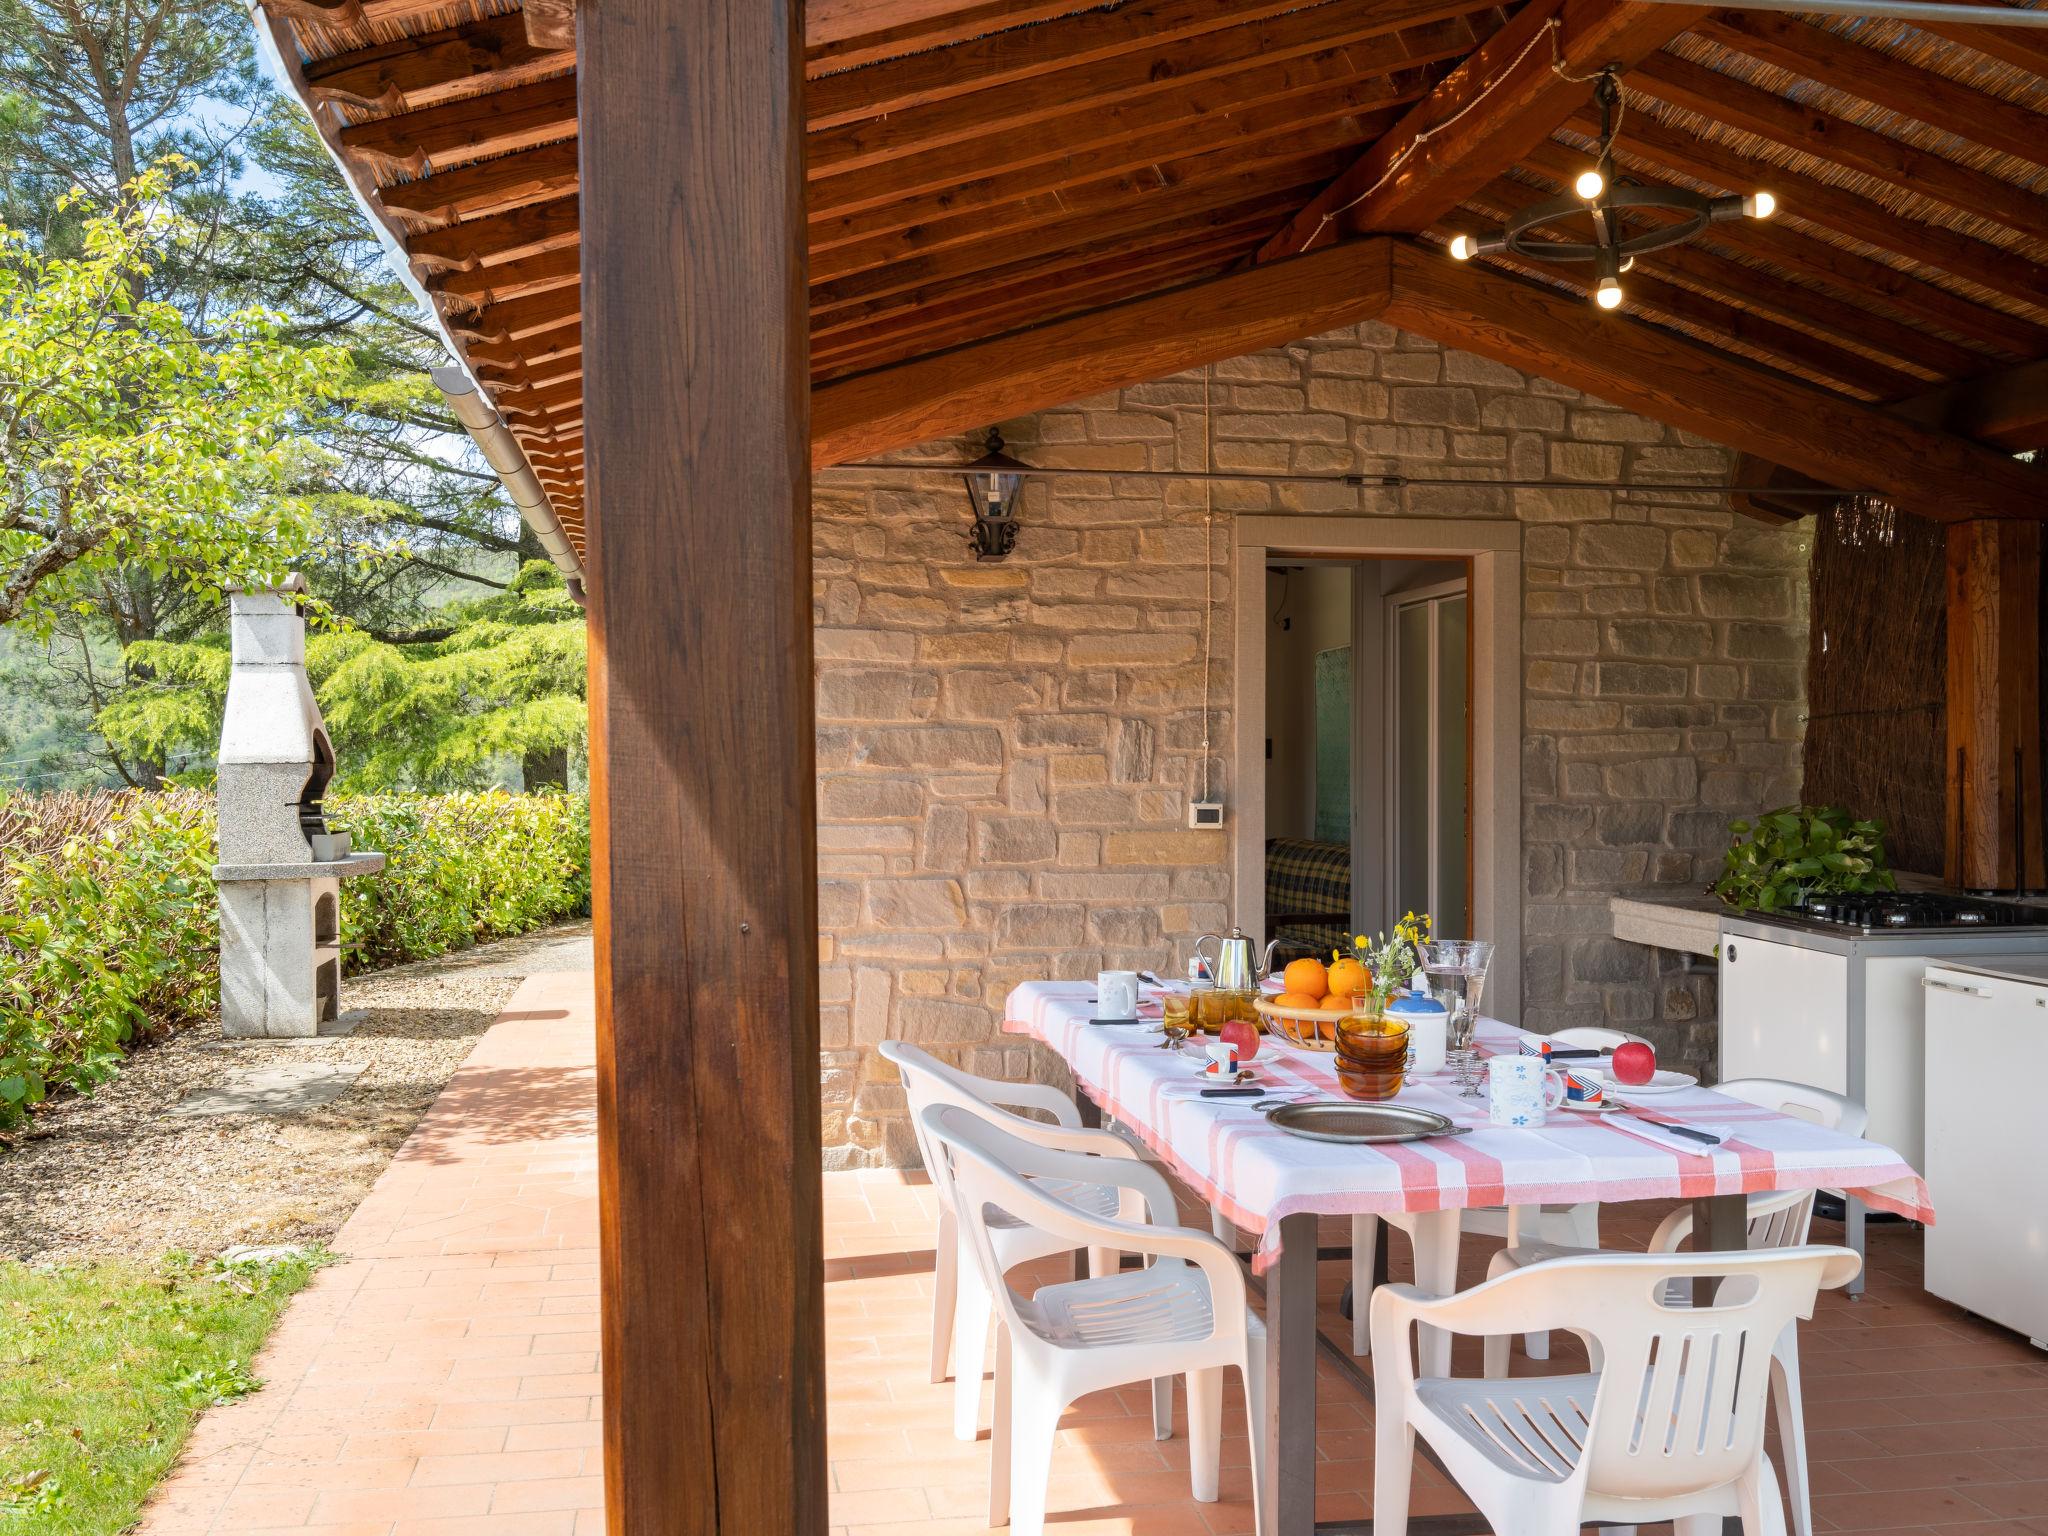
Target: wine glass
x=1457 y=975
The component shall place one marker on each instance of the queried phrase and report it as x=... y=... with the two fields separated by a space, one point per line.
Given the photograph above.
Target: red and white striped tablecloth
x=1256 y=1173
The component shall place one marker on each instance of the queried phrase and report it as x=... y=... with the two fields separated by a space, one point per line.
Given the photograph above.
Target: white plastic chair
x=1670 y=1428
x=1436 y=1252
x=1183 y=1314
x=1779 y=1219
x=960 y=1303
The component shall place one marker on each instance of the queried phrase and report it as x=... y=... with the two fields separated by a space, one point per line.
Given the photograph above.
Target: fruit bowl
x=1313 y=1029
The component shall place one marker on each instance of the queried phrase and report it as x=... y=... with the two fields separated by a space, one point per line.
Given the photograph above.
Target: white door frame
x=1390 y=740
x=1495 y=549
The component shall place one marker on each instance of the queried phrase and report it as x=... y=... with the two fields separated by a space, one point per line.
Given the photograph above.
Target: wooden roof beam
x=1482 y=119
x=526 y=231
x=1842 y=271
x=2007 y=408
x=845 y=34
x=1369 y=96
x=494 y=124
x=1094 y=125
x=491 y=186
x=2020 y=47
x=1831 y=207
x=1704 y=297
x=416 y=72
x=1814 y=53
x=1130 y=343
x=511 y=279
x=1245 y=166
x=1693 y=387
x=1018 y=104
x=1724 y=99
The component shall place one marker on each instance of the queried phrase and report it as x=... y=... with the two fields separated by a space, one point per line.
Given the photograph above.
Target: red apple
x=1634 y=1063
x=1243 y=1035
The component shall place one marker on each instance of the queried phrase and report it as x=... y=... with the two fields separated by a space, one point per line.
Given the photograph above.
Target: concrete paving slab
x=285 y=1090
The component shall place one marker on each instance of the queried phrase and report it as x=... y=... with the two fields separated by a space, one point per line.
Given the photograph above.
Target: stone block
x=1609 y=960
x=1414 y=405
x=1131 y=650
x=1016 y=840
x=944 y=843
x=997 y=696
x=1660 y=639
x=1640 y=680
x=861 y=797
x=1727 y=595
x=916 y=903
x=1666 y=779
x=1620 y=546
x=1135 y=848
x=1040 y=925
x=1766 y=642
x=933 y=746
x=1560 y=637
x=1132 y=762
x=1622 y=824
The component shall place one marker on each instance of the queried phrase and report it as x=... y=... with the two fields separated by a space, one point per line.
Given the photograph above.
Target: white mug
x=1116 y=995
x=1521 y=1091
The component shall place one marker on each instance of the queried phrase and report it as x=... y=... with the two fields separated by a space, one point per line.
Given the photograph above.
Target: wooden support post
x=1994 y=705
x=703 y=787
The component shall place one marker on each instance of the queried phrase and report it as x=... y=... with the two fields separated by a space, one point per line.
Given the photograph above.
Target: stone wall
x=1005 y=752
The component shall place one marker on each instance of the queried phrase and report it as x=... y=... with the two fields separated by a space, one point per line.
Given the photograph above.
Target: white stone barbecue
x=280 y=869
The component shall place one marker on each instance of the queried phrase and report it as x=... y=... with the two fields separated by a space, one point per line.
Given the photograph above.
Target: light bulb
x=1462 y=247
x=1608 y=294
x=1590 y=185
x=1759 y=205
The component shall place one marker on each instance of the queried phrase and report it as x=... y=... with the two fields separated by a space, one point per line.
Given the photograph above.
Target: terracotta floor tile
x=442 y=1382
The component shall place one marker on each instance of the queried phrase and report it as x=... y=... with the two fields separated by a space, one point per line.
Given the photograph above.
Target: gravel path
x=115 y=1174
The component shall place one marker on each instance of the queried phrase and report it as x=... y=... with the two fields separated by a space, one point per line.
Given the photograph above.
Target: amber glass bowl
x=1372 y=1054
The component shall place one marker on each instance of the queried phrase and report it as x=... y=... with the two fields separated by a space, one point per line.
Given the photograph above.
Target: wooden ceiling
x=983 y=173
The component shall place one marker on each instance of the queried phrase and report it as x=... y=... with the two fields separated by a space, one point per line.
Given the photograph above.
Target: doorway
x=1366 y=747
x=1408 y=631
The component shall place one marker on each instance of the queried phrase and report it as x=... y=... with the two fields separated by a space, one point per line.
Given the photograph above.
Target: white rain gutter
x=465 y=394
x=502 y=452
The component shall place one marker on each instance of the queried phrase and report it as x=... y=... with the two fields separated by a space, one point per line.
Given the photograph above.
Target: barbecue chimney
x=280 y=869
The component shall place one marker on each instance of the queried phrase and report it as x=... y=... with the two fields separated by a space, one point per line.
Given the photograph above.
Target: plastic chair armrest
x=1039 y=1096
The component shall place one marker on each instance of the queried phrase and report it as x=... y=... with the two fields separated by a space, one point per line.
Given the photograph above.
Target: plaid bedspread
x=1303 y=876
x=1256 y=1174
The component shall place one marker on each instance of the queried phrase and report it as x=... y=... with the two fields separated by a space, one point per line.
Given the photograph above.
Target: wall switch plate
x=1204 y=814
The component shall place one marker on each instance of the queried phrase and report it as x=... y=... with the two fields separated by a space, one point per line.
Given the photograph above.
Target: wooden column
x=1994 y=704
x=703 y=791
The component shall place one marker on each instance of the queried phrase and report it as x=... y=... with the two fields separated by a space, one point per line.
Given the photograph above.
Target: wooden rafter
x=1724 y=99
x=411 y=73
x=1125 y=344
x=520 y=117
x=1691 y=386
x=490 y=186
x=2019 y=47
x=979 y=63
x=1247 y=167
x=511 y=279
x=1093 y=125
x=1216 y=131
x=1846 y=274
x=845 y=34
x=526 y=231
x=2007 y=408
x=1482 y=118
x=1151 y=220
x=1019 y=104
x=1697 y=290
x=1842 y=65
x=1831 y=207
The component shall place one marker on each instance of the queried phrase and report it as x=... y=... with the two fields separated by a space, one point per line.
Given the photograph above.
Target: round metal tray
x=1362 y=1123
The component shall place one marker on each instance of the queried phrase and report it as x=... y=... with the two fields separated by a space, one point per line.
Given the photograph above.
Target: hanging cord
x=1208 y=564
x=1549 y=29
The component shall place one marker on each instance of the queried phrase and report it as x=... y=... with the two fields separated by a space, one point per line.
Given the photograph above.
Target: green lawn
x=103 y=1368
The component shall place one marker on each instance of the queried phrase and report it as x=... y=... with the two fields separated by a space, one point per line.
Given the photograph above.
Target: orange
x=1306 y=978
x=1348 y=978
x=1300 y=1001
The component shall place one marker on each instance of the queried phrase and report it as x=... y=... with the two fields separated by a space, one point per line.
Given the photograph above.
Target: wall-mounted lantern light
x=995 y=482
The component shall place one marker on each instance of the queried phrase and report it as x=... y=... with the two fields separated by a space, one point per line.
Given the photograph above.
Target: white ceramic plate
x=1662 y=1082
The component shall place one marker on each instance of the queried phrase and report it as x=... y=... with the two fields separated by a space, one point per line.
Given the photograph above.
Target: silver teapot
x=1233 y=964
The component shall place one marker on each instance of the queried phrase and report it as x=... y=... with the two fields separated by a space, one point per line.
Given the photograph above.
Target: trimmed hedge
x=109 y=922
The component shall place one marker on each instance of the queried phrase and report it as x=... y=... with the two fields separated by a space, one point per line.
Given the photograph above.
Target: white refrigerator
x=1987 y=1139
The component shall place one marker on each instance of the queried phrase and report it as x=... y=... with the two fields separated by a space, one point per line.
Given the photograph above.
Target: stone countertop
x=346 y=867
x=1690 y=924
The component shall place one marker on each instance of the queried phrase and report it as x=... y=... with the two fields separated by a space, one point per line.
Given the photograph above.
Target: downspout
x=502 y=452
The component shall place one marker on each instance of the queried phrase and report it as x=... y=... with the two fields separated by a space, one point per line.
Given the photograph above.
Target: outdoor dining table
x=1275 y=1185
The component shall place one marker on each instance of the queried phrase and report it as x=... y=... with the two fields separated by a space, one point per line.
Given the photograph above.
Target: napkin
x=1663 y=1135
